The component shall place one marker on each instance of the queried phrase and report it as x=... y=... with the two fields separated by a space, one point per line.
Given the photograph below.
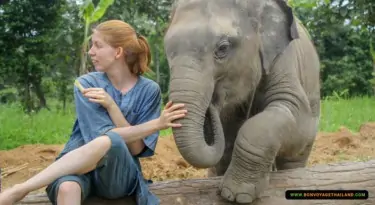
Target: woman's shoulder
x=148 y=91
x=148 y=85
x=93 y=79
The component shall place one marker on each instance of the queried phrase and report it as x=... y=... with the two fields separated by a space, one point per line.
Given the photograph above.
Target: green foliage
x=372 y=51
x=343 y=48
x=65 y=62
x=8 y=95
x=100 y=10
x=307 y=4
x=25 y=30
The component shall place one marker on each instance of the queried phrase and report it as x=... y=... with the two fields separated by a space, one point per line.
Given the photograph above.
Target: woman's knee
x=69 y=188
x=117 y=144
x=115 y=139
x=103 y=141
x=117 y=152
x=110 y=140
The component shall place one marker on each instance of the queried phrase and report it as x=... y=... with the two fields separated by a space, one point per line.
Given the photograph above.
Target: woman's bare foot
x=12 y=195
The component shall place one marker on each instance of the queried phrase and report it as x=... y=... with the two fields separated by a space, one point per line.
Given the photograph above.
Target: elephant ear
x=171 y=14
x=278 y=29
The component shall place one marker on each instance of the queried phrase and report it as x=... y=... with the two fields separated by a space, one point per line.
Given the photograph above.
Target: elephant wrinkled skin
x=248 y=74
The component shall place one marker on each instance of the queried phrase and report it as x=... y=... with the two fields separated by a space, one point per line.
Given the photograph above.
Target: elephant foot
x=243 y=186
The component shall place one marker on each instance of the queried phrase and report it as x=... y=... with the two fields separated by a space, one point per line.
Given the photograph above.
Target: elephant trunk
x=200 y=140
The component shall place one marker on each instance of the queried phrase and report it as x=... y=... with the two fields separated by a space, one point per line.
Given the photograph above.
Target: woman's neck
x=121 y=78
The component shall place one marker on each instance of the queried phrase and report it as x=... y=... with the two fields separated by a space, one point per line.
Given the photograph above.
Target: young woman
x=118 y=121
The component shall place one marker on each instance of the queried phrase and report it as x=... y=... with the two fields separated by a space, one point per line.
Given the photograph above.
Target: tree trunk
x=351 y=175
x=39 y=93
x=28 y=101
x=157 y=64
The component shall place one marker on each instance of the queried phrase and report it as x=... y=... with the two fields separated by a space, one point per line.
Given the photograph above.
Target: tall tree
x=25 y=33
x=342 y=37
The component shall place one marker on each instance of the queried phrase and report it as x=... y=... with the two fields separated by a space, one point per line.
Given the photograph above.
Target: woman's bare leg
x=78 y=161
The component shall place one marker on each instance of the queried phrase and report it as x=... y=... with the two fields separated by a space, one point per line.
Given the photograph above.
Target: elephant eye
x=222 y=49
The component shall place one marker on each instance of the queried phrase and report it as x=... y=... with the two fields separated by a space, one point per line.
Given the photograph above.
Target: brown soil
x=167 y=163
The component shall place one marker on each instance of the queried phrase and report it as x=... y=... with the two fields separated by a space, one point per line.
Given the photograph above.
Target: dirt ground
x=23 y=162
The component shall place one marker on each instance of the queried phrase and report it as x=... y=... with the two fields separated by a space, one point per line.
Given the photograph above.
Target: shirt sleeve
x=93 y=119
x=150 y=111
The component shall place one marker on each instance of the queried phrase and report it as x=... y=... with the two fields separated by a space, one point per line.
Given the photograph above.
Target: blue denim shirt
x=140 y=104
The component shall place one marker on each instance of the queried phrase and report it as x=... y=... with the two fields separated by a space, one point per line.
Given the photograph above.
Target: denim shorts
x=115 y=175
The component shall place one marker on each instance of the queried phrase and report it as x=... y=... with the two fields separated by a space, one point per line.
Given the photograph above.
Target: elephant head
x=217 y=51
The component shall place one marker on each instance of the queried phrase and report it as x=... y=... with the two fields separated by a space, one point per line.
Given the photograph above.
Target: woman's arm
x=169 y=114
x=119 y=120
x=99 y=95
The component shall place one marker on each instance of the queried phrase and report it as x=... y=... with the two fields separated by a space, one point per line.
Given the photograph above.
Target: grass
x=351 y=113
x=54 y=127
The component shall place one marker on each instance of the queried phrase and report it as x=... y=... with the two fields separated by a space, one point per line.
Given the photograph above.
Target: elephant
x=248 y=74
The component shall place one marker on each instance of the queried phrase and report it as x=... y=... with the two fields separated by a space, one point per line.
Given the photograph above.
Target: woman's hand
x=171 y=113
x=99 y=95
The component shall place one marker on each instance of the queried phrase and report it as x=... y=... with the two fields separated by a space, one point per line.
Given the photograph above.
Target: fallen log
x=349 y=175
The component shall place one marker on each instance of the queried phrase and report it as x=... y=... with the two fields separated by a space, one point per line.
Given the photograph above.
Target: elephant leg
x=290 y=161
x=231 y=121
x=300 y=161
x=258 y=142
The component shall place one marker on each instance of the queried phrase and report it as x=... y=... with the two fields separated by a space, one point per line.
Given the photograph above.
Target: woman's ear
x=119 y=53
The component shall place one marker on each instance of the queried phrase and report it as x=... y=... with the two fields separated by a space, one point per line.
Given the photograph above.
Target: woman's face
x=102 y=54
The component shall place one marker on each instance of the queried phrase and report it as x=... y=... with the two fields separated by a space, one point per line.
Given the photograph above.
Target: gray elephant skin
x=248 y=75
